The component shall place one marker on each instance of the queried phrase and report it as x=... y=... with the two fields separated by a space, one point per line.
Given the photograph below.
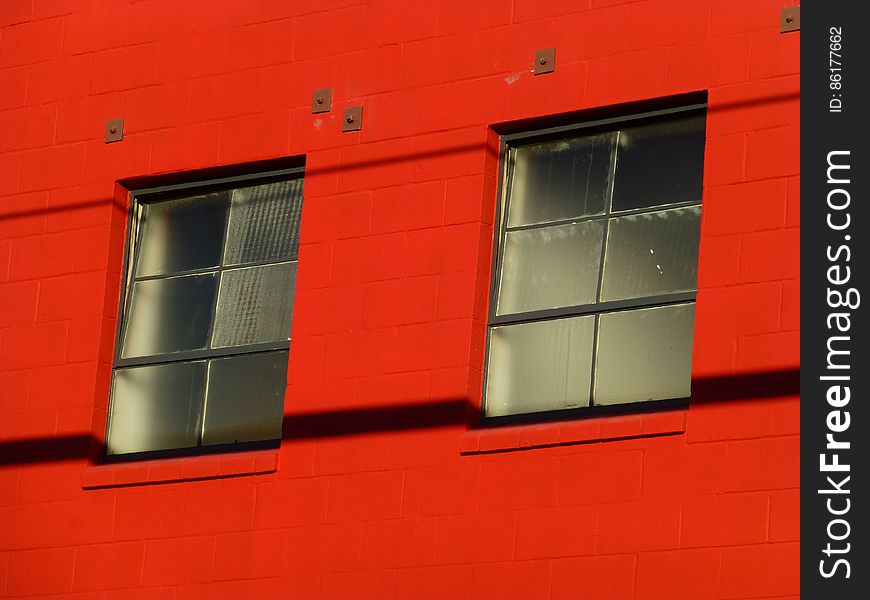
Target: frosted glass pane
x=660 y=163
x=644 y=354
x=539 y=366
x=180 y=235
x=561 y=180
x=652 y=253
x=550 y=267
x=245 y=400
x=264 y=223
x=156 y=407
x=169 y=315
x=255 y=305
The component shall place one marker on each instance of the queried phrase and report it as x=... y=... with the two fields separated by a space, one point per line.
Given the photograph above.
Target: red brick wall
x=391 y=304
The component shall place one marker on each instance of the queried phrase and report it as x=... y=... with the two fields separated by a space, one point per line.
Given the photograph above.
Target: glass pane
x=652 y=253
x=539 y=366
x=156 y=407
x=245 y=398
x=561 y=180
x=264 y=223
x=169 y=315
x=644 y=354
x=181 y=235
x=550 y=267
x=255 y=305
x=660 y=163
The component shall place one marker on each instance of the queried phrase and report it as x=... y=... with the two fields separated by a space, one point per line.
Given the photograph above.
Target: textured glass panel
x=156 y=407
x=660 y=163
x=255 y=305
x=561 y=180
x=245 y=399
x=264 y=223
x=550 y=267
x=539 y=366
x=169 y=315
x=644 y=354
x=652 y=253
x=180 y=235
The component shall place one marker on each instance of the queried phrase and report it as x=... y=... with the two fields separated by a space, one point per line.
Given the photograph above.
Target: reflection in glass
x=245 y=398
x=550 y=267
x=255 y=305
x=660 y=163
x=652 y=253
x=644 y=354
x=264 y=223
x=156 y=407
x=169 y=315
x=539 y=366
x=559 y=180
x=181 y=235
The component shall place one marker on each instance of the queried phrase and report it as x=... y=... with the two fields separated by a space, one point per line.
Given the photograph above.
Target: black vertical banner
x=835 y=369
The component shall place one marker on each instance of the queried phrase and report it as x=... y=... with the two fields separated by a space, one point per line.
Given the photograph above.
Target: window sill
x=543 y=435
x=171 y=470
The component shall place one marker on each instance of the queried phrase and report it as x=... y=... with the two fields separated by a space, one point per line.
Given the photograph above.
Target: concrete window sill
x=542 y=435
x=189 y=468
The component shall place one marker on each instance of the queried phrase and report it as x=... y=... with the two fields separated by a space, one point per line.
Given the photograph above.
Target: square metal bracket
x=352 y=120
x=545 y=61
x=321 y=101
x=790 y=19
x=114 y=130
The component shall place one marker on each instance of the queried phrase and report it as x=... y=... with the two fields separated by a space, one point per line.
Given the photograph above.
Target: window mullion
x=608 y=210
x=203 y=354
x=597 y=308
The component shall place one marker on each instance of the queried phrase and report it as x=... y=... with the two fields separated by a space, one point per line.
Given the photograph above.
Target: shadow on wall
x=347 y=166
x=357 y=421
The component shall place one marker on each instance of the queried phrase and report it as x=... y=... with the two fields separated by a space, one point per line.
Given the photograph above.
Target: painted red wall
x=389 y=492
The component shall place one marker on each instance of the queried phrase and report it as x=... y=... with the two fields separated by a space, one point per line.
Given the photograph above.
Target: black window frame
x=176 y=191
x=507 y=144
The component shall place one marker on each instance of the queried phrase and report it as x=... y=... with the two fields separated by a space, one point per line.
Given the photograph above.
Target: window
x=204 y=325
x=596 y=264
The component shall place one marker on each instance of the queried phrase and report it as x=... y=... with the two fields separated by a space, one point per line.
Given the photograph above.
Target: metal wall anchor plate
x=545 y=61
x=790 y=19
x=321 y=101
x=114 y=130
x=352 y=120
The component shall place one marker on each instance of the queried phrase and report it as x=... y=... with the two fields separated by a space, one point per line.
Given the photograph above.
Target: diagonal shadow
x=358 y=421
x=389 y=158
